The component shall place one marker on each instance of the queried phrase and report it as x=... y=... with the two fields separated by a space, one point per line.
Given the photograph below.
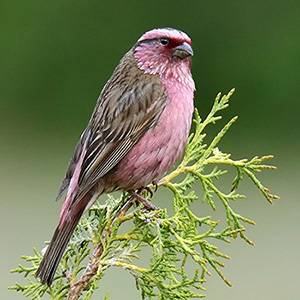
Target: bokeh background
x=55 y=56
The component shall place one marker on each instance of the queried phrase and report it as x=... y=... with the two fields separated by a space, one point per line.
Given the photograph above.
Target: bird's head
x=163 y=51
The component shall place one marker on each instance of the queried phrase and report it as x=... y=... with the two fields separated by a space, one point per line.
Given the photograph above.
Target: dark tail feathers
x=56 y=249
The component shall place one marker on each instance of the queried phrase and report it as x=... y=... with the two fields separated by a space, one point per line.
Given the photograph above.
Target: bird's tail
x=56 y=249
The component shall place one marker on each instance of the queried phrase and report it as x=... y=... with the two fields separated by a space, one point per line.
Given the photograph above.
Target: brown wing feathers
x=120 y=118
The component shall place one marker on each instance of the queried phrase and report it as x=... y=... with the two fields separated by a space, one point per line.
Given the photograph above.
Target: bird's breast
x=159 y=149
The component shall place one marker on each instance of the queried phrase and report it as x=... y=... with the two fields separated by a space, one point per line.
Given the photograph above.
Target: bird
x=137 y=132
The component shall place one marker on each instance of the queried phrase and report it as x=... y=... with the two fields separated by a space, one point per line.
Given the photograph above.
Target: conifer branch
x=174 y=239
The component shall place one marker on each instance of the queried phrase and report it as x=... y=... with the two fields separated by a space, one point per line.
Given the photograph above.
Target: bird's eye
x=164 y=41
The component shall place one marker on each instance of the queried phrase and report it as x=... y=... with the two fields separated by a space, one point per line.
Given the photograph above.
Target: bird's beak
x=183 y=50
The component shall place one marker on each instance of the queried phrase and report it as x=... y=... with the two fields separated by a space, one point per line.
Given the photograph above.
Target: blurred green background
x=55 y=56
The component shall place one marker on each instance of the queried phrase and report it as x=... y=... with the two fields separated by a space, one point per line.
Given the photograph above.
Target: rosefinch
x=138 y=130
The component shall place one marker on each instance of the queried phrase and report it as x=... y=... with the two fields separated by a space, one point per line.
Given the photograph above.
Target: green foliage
x=176 y=239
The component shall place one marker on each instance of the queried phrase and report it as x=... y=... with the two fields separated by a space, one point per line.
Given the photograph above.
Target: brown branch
x=91 y=270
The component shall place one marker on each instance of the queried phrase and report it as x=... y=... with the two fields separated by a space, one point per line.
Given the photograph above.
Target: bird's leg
x=124 y=209
x=147 y=204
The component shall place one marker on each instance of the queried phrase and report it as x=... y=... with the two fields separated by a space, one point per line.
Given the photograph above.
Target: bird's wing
x=123 y=114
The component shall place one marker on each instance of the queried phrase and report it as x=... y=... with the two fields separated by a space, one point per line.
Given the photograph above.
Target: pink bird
x=137 y=132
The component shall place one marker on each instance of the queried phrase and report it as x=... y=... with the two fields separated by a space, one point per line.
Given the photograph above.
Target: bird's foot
x=148 y=189
x=147 y=204
x=155 y=186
